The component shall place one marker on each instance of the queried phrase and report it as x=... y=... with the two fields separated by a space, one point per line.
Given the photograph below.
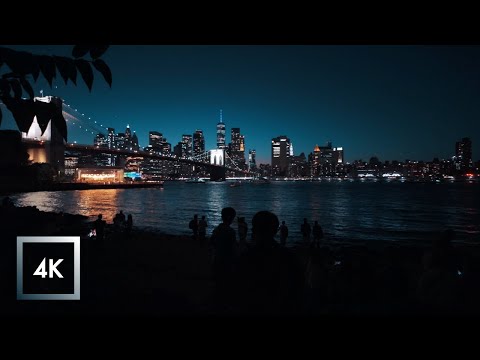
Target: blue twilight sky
x=394 y=102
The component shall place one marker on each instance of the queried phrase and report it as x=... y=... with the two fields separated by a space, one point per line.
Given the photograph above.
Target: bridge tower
x=217 y=157
x=52 y=149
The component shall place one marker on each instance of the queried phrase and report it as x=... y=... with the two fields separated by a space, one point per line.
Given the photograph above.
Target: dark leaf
x=97 y=51
x=17 y=88
x=20 y=62
x=47 y=66
x=4 y=87
x=72 y=71
x=22 y=111
x=36 y=68
x=62 y=67
x=8 y=75
x=86 y=71
x=80 y=51
x=27 y=87
x=103 y=68
x=66 y=68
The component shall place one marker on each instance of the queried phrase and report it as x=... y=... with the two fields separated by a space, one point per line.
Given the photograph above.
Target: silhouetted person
x=242 y=233
x=224 y=245
x=283 y=234
x=193 y=225
x=270 y=278
x=119 y=220
x=317 y=234
x=202 y=230
x=306 y=230
x=99 y=226
x=129 y=225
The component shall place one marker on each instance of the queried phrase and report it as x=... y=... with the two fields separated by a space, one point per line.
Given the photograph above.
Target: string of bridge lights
x=98 y=128
x=74 y=118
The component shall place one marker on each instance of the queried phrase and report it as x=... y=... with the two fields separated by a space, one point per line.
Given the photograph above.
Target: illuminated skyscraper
x=127 y=141
x=111 y=141
x=100 y=141
x=198 y=143
x=241 y=152
x=134 y=142
x=252 y=162
x=187 y=148
x=280 y=155
x=120 y=141
x=167 y=149
x=237 y=147
x=221 y=133
x=325 y=159
x=463 y=154
x=155 y=139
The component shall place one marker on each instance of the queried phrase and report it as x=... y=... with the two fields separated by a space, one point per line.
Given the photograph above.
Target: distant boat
x=236 y=183
x=261 y=180
x=195 y=181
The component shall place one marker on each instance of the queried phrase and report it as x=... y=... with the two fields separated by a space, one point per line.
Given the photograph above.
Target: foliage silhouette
x=25 y=66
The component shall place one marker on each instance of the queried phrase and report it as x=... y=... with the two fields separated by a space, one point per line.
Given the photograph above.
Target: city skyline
x=392 y=102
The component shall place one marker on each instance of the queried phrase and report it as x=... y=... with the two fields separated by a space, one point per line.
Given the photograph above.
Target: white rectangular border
x=48 y=240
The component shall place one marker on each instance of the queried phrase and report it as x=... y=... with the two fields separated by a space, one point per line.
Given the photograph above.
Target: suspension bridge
x=217 y=163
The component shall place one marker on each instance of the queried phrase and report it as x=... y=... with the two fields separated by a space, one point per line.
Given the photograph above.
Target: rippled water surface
x=346 y=210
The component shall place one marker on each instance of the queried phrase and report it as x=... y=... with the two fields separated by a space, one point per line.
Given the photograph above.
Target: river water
x=347 y=211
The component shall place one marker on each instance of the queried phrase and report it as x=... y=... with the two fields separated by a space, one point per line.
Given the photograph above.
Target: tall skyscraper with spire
x=127 y=142
x=221 y=133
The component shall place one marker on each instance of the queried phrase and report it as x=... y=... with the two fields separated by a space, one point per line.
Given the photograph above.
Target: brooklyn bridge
x=68 y=157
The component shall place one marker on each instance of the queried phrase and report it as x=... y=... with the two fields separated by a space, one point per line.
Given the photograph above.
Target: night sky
x=393 y=102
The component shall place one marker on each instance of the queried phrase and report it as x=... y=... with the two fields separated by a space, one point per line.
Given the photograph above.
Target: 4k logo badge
x=48 y=268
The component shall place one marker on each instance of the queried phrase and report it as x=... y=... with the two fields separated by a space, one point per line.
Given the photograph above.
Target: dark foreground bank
x=152 y=274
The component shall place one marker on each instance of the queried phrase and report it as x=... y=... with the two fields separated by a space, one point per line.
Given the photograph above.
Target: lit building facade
x=155 y=140
x=221 y=133
x=198 y=143
x=187 y=146
x=101 y=141
x=252 y=162
x=237 y=147
x=326 y=160
x=127 y=142
x=111 y=141
x=280 y=156
x=71 y=163
x=99 y=175
x=463 y=155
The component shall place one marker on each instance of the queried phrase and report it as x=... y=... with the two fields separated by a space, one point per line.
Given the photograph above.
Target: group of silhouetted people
x=262 y=278
x=307 y=231
x=120 y=224
x=199 y=229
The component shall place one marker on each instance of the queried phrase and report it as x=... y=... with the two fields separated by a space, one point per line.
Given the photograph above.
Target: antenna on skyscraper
x=221 y=117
